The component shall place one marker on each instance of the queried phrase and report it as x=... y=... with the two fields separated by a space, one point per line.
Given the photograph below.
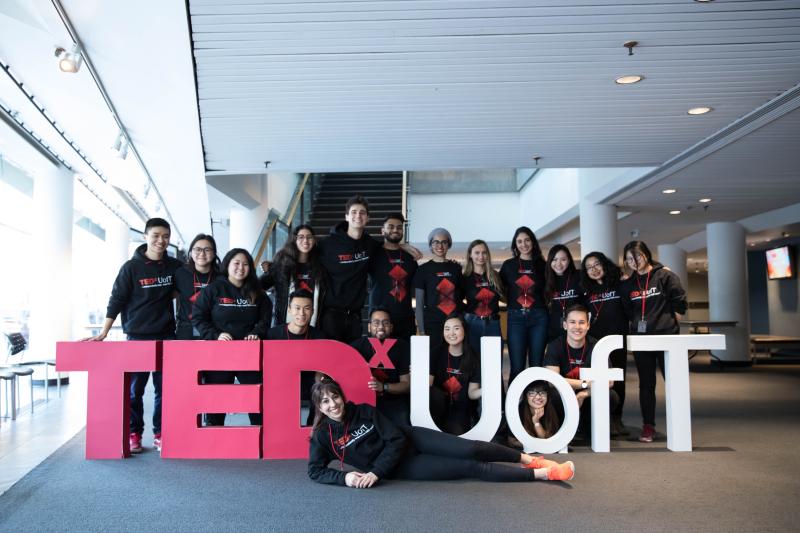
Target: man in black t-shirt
x=391 y=385
x=569 y=353
x=392 y=271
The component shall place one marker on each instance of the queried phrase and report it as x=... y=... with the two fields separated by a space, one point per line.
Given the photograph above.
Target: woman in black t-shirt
x=562 y=288
x=437 y=288
x=523 y=279
x=455 y=379
x=201 y=267
x=483 y=291
x=600 y=283
x=295 y=267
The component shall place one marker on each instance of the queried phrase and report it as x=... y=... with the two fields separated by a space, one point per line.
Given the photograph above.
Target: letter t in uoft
x=108 y=364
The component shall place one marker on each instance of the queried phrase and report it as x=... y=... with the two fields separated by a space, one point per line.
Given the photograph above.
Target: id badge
x=642 y=328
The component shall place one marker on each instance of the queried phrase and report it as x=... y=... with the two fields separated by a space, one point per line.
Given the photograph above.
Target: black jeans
x=434 y=455
x=341 y=324
x=226 y=377
x=646 y=363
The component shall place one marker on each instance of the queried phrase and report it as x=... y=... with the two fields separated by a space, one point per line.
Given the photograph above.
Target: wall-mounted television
x=780 y=263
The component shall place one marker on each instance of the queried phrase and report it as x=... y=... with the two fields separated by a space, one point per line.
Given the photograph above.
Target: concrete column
x=674 y=258
x=245 y=227
x=118 y=238
x=727 y=288
x=598 y=221
x=51 y=317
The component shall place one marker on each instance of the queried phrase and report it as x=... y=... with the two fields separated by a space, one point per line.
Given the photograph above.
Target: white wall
x=492 y=217
x=549 y=201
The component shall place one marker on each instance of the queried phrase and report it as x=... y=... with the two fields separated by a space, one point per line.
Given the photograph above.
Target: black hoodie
x=346 y=261
x=365 y=439
x=664 y=298
x=222 y=307
x=189 y=284
x=608 y=313
x=142 y=292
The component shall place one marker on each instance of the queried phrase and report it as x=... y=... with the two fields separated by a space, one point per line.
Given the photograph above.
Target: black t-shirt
x=568 y=359
x=483 y=300
x=189 y=284
x=442 y=285
x=282 y=333
x=392 y=272
x=399 y=354
x=568 y=292
x=524 y=282
x=444 y=366
x=608 y=313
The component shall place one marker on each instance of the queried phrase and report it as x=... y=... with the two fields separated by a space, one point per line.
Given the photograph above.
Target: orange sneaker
x=540 y=462
x=562 y=472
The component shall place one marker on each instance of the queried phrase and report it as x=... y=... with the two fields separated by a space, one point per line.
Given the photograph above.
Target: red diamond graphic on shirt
x=447 y=296
x=399 y=276
x=483 y=297
x=525 y=283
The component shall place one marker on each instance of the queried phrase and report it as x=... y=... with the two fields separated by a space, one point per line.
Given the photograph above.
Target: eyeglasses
x=594 y=266
x=384 y=323
x=304 y=238
x=634 y=258
x=440 y=243
x=202 y=250
x=535 y=393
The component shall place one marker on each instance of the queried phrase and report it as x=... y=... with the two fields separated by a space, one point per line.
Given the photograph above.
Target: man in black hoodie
x=143 y=293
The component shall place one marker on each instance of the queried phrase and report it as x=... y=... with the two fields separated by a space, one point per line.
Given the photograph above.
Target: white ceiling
x=419 y=85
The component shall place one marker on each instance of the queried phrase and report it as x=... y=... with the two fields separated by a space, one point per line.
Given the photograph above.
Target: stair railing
x=276 y=229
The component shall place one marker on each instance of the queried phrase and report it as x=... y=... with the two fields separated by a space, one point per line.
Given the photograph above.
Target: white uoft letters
x=676 y=350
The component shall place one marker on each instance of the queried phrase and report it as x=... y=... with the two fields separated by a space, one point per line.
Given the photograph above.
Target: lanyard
x=196 y=281
x=344 y=444
x=644 y=294
x=597 y=310
x=563 y=302
x=289 y=338
x=575 y=362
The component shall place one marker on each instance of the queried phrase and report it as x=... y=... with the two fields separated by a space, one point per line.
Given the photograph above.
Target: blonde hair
x=491 y=273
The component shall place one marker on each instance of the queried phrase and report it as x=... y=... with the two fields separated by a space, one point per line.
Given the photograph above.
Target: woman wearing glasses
x=437 y=287
x=538 y=413
x=654 y=302
x=600 y=282
x=295 y=267
x=201 y=267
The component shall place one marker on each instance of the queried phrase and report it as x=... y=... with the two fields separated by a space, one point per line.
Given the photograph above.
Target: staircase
x=383 y=191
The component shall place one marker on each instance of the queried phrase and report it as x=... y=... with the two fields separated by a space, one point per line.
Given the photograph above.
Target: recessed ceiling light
x=700 y=110
x=705 y=200
x=626 y=80
x=703 y=1
x=669 y=191
x=675 y=212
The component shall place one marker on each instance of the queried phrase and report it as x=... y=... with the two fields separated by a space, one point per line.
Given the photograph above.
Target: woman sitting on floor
x=360 y=436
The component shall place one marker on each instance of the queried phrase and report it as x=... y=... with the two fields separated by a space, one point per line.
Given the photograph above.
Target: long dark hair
x=536 y=253
x=285 y=260
x=637 y=247
x=549 y=421
x=469 y=359
x=318 y=390
x=203 y=237
x=250 y=288
x=611 y=272
x=550 y=275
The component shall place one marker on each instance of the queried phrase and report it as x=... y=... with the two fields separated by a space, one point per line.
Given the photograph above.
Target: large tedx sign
x=109 y=365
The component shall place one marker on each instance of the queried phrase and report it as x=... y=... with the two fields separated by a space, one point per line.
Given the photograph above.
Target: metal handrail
x=274 y=218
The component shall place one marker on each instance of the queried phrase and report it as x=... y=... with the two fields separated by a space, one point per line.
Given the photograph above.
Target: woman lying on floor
x=363 y=438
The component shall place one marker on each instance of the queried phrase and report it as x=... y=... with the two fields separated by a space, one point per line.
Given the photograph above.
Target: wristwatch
x=584 y=384
x=385 y=388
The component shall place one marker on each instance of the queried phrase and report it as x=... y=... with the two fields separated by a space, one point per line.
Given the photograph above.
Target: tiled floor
x=32 y=437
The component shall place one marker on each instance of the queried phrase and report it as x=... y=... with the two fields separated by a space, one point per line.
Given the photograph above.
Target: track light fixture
x=120 y=146
x=69 y=61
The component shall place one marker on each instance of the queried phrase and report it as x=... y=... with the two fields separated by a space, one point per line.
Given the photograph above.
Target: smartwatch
x=584 y=384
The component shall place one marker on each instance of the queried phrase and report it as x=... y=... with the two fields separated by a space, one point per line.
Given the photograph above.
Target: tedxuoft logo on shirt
x=565 y=295
x=603 y=297
x=353 y=258
x=651 y=292
x=150 y=283
x=348 y=439
x=234 y=302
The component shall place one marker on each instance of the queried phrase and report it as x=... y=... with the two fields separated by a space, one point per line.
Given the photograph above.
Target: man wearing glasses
x=381 y=350
x=391 y=273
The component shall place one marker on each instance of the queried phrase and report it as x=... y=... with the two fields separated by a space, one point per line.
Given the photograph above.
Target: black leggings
x=646 y=363
x=434 y=455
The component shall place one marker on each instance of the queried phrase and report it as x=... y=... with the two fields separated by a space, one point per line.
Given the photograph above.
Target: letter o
x=569 y=426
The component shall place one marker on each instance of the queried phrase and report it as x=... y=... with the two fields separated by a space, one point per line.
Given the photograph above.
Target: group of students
x=318 y=288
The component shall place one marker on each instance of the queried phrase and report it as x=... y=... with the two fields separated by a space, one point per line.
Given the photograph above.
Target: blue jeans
x=527 y=337
x=478 y=328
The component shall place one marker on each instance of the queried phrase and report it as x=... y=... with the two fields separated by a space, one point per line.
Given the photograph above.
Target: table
x=695 y=325
x=771 y=342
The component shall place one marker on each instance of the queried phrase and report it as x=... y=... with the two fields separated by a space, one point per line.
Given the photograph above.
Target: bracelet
x=537 y=424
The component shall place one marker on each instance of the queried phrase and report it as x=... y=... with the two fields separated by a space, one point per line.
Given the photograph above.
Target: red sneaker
x=648 y=433
x=135 y=440
x=540 y=462
x=562 y=472
x=157 y=441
